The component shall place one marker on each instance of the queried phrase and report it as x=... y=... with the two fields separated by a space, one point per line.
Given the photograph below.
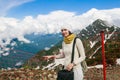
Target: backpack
x=83 y=63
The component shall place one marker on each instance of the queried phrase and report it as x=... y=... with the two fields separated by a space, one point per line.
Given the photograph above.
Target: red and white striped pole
x=103 y=54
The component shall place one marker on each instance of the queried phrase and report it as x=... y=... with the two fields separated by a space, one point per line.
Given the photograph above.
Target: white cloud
x=51 y=23
x=6 y=5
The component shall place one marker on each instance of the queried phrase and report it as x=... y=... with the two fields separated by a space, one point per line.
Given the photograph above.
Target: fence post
x=103 y=54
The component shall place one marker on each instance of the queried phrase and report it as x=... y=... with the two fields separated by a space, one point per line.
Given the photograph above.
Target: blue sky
x=36 y=7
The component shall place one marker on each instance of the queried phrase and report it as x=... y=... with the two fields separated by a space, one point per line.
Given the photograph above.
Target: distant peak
x=99 y=22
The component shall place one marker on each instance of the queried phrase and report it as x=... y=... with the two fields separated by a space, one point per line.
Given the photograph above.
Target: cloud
x=6 y=5
x=51 y=23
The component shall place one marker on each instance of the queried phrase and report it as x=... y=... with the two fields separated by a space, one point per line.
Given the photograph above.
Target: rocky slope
x=37 y=74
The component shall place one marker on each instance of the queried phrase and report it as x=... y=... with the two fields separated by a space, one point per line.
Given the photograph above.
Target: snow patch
x=118 y=61
x=96 y=66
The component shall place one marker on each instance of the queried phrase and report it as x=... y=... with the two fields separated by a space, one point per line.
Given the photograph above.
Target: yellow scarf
x=69 y=38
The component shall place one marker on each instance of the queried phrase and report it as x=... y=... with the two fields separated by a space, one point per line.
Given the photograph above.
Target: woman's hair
x=70 y=33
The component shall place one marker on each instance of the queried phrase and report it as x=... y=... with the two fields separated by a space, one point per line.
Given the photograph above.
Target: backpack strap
x=72 y=57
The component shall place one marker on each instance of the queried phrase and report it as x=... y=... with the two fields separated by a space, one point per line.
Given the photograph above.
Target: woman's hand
x=48 y=57
x=70 y=66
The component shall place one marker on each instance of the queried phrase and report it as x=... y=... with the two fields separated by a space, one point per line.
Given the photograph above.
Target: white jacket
x=67 y=52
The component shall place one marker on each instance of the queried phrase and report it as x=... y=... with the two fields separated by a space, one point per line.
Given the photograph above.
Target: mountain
x=91 y=39
x=17 y=52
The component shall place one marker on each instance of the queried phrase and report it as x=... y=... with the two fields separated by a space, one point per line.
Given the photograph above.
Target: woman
x=67 y=52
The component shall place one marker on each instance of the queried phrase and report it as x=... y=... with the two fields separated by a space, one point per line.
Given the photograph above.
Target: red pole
x=103 y=55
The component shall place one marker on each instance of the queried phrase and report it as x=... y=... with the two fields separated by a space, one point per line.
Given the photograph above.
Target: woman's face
x=65 y=32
